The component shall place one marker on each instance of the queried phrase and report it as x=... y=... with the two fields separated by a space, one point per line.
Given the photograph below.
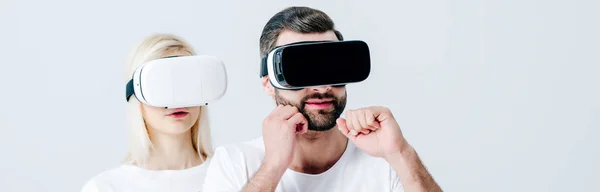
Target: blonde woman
x=165 y=153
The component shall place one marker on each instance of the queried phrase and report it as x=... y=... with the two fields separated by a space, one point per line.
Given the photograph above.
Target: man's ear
x=266 y=84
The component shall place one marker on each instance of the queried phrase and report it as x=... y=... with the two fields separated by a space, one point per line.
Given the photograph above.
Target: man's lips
x=319 y=103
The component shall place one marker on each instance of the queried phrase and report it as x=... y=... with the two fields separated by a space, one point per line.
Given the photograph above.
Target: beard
x=321 y=119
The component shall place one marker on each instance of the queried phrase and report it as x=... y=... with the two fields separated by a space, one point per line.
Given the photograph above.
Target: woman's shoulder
x=104 y=181
x=92 y=186
x=130 y=177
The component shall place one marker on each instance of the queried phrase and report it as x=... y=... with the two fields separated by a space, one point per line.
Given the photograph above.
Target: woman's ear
x=266 y=84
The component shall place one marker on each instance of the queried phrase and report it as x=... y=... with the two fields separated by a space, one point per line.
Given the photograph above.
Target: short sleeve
x=225 y=172
x=396 y=183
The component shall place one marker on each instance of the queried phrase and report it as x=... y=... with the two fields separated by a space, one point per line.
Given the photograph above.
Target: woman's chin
x=175 y=128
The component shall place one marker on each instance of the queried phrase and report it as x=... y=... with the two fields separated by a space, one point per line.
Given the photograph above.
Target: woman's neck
x=172 y=152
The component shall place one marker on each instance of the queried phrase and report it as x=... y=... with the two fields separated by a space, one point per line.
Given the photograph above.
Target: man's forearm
x=265 y=179
x=413 y=174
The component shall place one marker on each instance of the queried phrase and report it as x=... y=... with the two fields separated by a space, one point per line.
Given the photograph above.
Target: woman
x=165 y=153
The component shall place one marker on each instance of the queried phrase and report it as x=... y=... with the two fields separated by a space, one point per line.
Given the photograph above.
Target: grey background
x=494 y=95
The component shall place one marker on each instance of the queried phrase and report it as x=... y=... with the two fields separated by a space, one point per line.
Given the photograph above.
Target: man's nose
x=321 y=89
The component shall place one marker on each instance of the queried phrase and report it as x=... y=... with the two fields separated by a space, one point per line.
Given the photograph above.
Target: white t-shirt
x=234 y=165
x=130 y=178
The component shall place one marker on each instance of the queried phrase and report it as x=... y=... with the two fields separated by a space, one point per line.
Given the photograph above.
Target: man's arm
x=413 y=174
x=265 y=179
x=375 y=131
x=279 y=136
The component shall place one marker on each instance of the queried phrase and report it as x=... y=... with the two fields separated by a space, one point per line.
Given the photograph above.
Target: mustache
x=302 y=103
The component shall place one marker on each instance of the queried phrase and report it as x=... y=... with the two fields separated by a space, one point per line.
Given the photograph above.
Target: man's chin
x=322 y=126
x=320 y=129
x=319 y=111
x=321 y=120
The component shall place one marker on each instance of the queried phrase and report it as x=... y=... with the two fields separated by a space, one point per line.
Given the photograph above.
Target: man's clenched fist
x=374 y=130
x=279 y=134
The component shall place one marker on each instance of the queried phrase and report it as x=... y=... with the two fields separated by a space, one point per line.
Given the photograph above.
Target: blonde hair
x=154 y=47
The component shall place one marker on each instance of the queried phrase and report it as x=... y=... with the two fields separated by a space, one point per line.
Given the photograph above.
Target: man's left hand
x=374 y=130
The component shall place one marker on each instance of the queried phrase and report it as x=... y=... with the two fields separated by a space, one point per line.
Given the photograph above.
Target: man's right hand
x=279 y=135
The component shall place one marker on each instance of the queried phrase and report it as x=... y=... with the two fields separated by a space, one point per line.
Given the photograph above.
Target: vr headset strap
x=263 y=66
x=129 y=90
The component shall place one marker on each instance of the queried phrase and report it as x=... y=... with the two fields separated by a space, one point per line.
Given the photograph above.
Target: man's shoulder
x=246 y=152
x=250 y=146
x=233 y=164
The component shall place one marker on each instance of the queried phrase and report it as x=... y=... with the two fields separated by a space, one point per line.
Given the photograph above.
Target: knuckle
x=362 y=112
x=294 y=109
x=385 y=109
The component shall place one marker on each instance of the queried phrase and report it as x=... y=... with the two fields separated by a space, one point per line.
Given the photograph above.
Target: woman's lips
x=179 y=114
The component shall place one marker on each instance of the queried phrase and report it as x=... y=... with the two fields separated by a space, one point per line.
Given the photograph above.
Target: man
x=306 y=146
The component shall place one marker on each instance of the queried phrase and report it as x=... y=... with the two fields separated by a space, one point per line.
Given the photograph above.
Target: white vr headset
x=181 y=81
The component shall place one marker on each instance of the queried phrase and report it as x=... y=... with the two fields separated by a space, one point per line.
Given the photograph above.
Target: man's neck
x=172 y=152
x=317 y=151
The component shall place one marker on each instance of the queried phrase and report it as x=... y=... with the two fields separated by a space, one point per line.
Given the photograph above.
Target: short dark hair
x=297 y=19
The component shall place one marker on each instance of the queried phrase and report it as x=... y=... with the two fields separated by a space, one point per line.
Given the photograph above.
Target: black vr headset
x=317 y=63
